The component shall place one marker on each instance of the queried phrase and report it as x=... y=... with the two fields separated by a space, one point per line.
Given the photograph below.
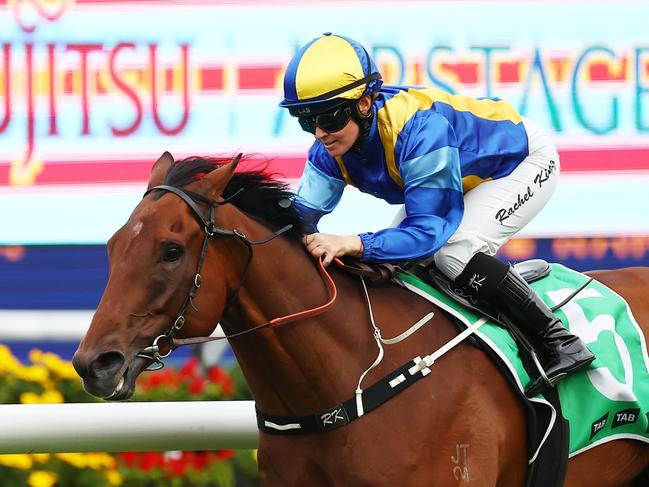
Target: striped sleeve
x=429 y=166
x=318 y=192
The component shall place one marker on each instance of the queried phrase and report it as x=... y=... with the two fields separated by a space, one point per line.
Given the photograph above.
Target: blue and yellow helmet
x=326 y=71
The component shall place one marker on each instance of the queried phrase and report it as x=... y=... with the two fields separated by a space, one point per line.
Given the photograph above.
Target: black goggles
x=333 y=121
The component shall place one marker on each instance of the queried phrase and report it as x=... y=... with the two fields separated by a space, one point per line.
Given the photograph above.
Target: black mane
x=257 y=193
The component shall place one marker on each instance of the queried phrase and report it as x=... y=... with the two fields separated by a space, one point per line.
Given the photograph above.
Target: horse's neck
x=293 y=368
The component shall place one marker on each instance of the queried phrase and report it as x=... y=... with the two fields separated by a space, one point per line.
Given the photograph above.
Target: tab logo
x=598 y=425
x=626 y=416
x=333 y=418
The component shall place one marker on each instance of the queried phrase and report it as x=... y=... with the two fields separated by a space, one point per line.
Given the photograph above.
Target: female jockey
x=469 y=172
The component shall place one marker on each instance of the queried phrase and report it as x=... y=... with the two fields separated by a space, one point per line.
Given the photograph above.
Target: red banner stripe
x=621 y=159
x=290 y=166
x=259 y=77
x=211 y=79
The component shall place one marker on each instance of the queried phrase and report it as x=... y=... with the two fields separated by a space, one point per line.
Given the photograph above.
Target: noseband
x=153 y=352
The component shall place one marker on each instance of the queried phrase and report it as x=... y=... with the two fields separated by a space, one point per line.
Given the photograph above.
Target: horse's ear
x=160 y=169
x=219 y=179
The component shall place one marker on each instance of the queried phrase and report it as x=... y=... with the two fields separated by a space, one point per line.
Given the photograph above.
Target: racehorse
x=220 y=250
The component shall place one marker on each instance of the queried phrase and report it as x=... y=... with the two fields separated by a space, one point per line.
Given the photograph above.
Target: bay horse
x=300 y=355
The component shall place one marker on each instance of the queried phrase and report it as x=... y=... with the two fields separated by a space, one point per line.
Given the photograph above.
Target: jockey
x=469 y=172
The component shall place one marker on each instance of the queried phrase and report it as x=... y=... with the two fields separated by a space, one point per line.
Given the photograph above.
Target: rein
x=153 y=351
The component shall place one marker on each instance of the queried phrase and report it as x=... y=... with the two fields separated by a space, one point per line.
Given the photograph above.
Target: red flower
x=189 y=369
x=150 y=381
x=156 y=380
x=129 y=458
x=197 y=386
x=215 y=374
x=225 y=454
x=150 y=460
x=227 y=386
x=177 y=464
x=218 y=376
x=201 y=458
x=170 y=377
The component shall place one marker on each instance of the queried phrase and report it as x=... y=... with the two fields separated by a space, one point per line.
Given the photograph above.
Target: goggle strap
x=338 y=91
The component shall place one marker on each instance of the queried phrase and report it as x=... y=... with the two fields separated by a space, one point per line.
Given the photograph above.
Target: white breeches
x=495 y=210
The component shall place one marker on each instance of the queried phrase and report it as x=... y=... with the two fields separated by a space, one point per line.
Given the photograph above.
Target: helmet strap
x=365 y=125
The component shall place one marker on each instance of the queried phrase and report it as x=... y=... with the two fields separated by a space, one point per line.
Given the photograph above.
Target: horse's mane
x=256 y=192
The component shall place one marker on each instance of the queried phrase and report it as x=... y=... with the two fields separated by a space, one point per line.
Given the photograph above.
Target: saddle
x=379 y=274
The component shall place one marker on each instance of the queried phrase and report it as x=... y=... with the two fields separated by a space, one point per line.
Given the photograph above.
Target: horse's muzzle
x=101 y=373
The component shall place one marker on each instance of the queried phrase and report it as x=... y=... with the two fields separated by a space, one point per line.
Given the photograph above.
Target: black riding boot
x=560 y=352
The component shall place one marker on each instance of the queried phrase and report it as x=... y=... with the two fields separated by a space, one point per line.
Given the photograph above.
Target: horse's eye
x=172 y=253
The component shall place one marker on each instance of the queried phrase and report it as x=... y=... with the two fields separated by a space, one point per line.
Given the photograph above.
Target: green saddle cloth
x=610 y=399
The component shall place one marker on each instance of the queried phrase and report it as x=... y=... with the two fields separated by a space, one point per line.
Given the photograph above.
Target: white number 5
x=589 y=331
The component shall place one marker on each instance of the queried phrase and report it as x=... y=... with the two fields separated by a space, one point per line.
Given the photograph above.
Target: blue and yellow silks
x=426 y=148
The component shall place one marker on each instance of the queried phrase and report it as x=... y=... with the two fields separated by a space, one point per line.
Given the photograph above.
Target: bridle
x=191 y=198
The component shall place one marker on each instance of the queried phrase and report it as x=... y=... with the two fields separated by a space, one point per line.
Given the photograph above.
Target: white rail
x=133 y=426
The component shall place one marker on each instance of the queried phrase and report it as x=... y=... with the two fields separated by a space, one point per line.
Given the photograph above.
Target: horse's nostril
x=107 y=363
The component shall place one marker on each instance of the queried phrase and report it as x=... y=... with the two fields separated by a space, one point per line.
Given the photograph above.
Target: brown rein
x=332 y=292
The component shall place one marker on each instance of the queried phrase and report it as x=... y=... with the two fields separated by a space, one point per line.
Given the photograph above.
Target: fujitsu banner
x=92 y=91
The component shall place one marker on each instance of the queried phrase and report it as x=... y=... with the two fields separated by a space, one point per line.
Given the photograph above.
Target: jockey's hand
x=330 y=246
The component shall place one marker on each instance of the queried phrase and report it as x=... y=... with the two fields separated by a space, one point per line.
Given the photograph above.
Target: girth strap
x=371 y=398
x=375 y=395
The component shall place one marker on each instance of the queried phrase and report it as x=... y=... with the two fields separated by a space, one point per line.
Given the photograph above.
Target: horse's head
x=153 y=269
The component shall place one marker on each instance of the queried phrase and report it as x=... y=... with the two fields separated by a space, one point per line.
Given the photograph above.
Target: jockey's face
x=340 y=142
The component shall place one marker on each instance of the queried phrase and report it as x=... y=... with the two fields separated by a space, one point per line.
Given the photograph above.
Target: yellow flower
x=30 y=398
x=114 y=477
x=65 y=370
x=5 y=351
x=52 y=396
x=100 y=460
x=41 y=457
x=35 y=355
x=20 y=461
x=51 y=360
x=33 y=373
x=61 y=368
x=41 y=478
x=8 y=363
x=12 y=365
x=75 y=459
